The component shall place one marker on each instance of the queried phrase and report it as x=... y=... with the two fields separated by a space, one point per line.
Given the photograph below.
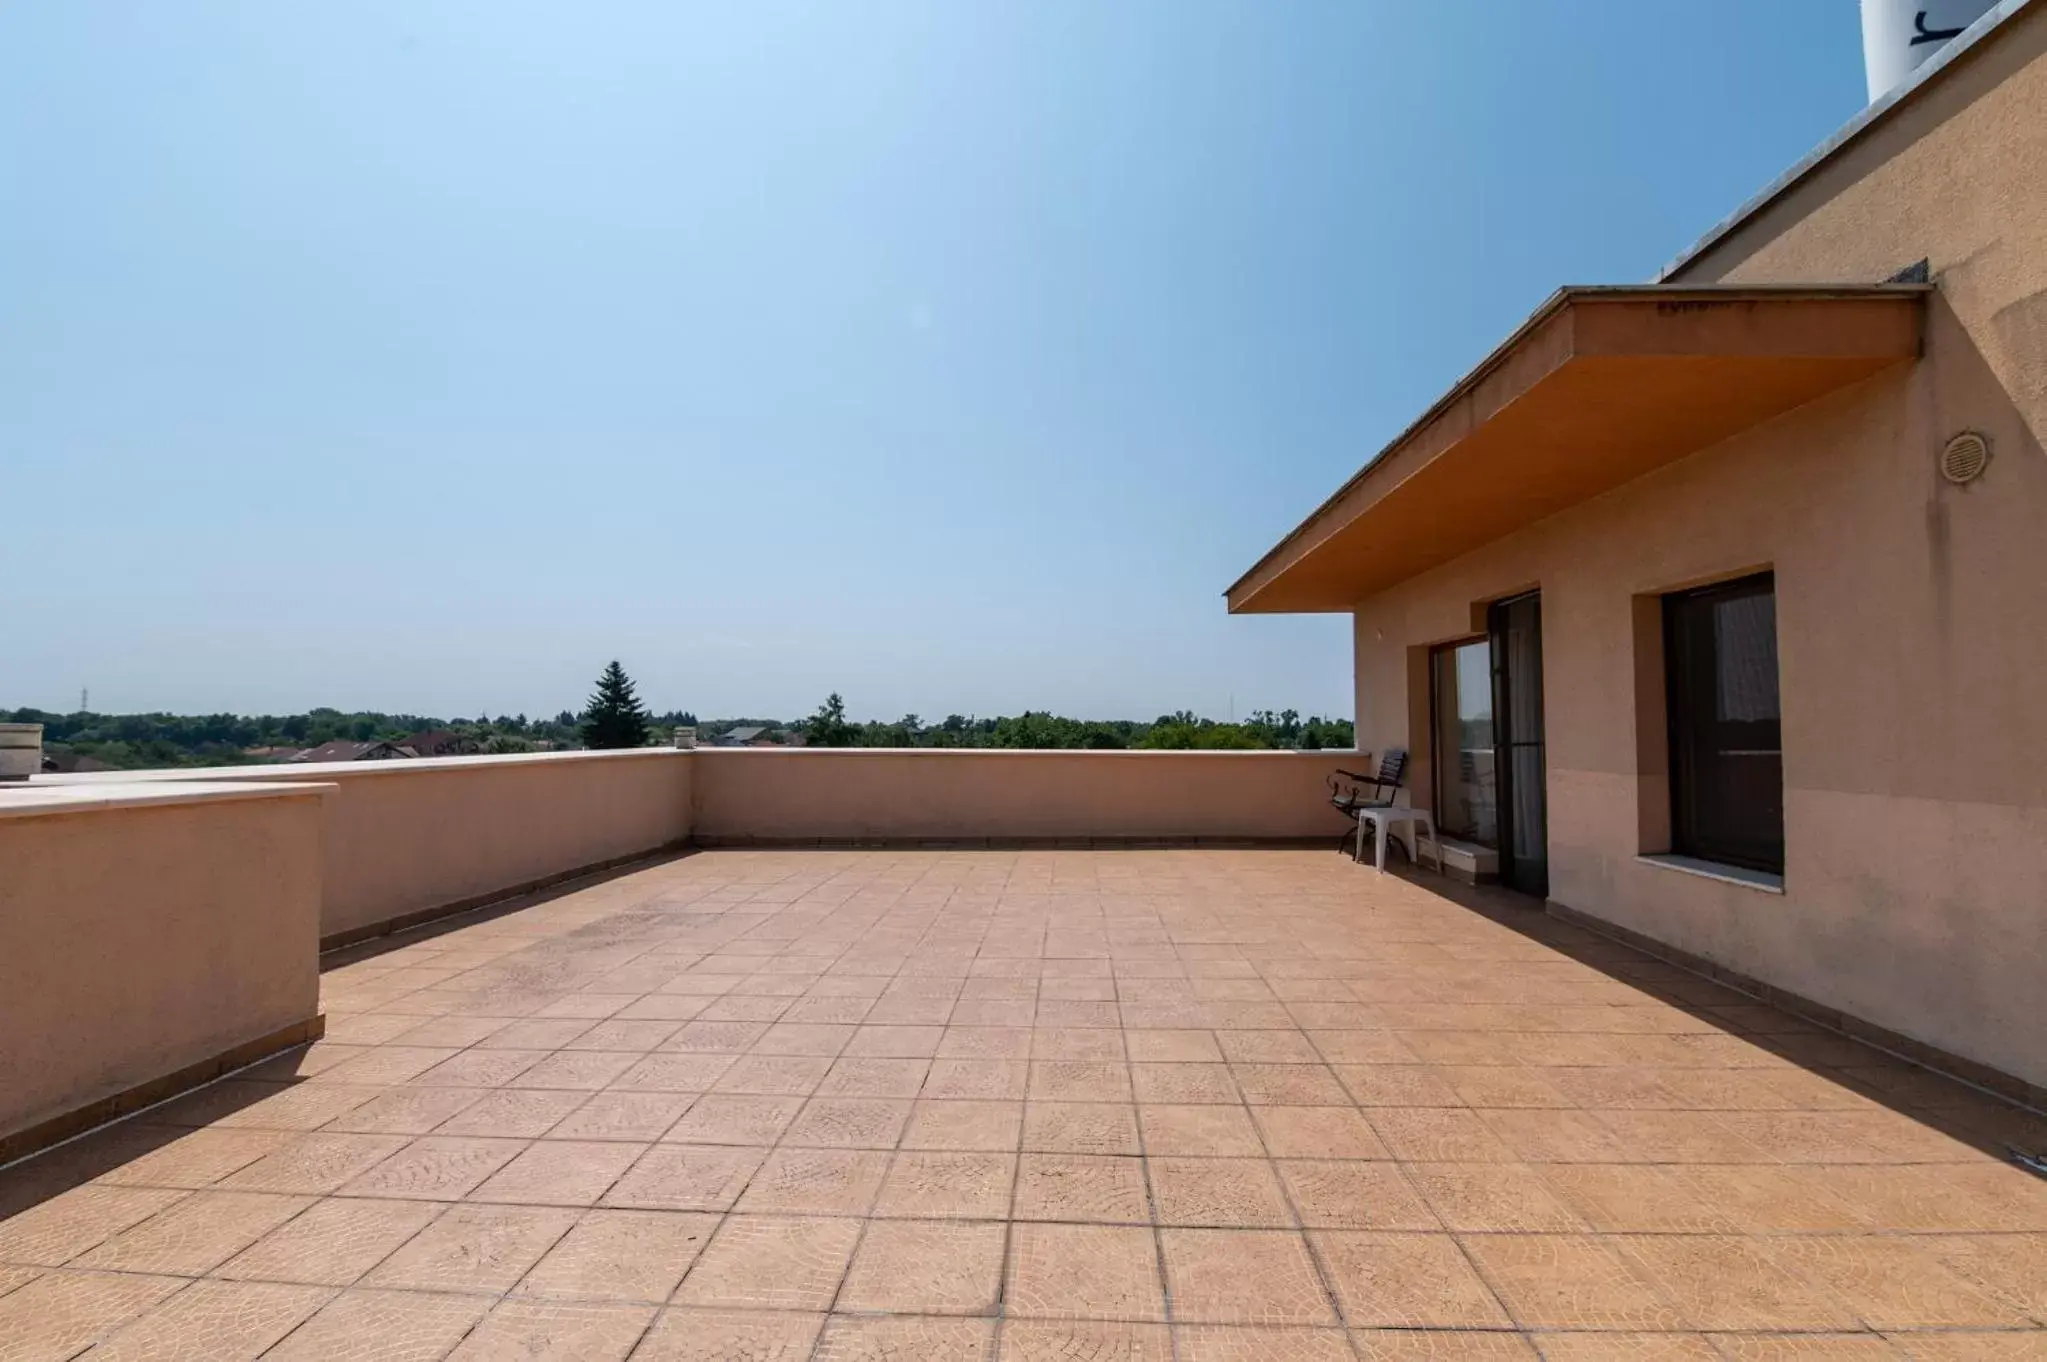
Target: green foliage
x=1039 y=729
x=828 y=727
x=614 y=717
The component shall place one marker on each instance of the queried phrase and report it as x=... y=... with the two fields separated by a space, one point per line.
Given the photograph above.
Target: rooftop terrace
x=1171 y=1104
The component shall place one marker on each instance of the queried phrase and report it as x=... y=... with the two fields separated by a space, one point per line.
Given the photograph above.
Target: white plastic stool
x=1383 y=821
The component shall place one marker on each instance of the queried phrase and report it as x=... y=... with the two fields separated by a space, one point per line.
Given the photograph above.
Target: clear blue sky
x=422 y=356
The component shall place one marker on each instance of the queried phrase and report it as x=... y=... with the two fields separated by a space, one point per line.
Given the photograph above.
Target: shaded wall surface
x=136 y=942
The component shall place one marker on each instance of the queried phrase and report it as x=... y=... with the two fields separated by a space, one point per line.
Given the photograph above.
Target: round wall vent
x=1965 y=458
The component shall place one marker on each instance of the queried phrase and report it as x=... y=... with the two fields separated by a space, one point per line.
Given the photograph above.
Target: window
x=1726 y=743
x=1467 y=793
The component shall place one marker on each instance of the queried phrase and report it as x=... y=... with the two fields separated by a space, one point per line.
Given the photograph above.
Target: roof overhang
x=1600 y=386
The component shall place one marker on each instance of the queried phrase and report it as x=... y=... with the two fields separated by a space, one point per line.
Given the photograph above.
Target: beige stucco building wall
x=143 y=938
x=1912 y=614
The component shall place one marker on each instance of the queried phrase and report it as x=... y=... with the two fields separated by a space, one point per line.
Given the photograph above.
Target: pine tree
x=614 y=717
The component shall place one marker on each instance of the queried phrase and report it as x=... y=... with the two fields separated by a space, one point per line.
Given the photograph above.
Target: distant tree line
x=1183 y=730
x=615 y=717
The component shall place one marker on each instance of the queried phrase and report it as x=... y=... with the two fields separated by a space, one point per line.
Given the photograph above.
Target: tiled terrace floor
x=1193 y=1105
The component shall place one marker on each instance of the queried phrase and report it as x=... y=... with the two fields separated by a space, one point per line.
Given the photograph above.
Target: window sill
x=1761 y=880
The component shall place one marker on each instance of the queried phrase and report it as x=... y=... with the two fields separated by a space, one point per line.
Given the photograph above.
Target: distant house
x=757 y=735
x=341 y=749
x=441 y=742
x=271 y=753
x=63 y=761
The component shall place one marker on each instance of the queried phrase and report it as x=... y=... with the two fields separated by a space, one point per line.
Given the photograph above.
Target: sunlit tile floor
x=1131 y=1105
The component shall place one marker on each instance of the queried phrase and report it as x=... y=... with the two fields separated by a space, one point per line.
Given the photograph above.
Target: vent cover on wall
x=1965 y=458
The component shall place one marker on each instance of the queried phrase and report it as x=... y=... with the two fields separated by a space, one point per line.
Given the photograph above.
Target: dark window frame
x=1726 y=775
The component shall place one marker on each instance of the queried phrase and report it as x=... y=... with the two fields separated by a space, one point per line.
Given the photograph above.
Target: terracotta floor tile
x=1550 y=1136
x=1084 y=1341
x=196 y=1234
x=1355 y=1195
x=714 y=1038
x=1214 y=1131
x=1978 y=1196
x=436 y=1168
x=976 y=1078
x=315 y=1163
x=1243 y=1277
x=850 y=1123
x=194 y=1158
x=1438 y=1135
x=1172 y=1047
x=1807 y=1348
x=895 y=1042
x=58 y=1230
x=985 y=1126
x=1721 y=1282
x=1568 y=1281
x=1680 y=1137
x=404 y=1111
x=686 y=1178
x=331 y=1243
x=1216 y=1041
x=1971 y=1347
x=513 y=1115
x=623 y=1115
x=1340 y=1046
x=1413 y=1281
x=1081 y=1128
x=1639 y=1197
x=1082 y=1187
x=1218 y=1193
x=1893 y=1283
x=1496 y=1197
x=214 y=1319
x=1773 y=1198
x=1630 y=1347
x=934 y=1184
x=306 y=1106
x=815 y=1182
x=905 y=1338
x=626 y=1034
x=481 y=1068
x=925 y=1267
x=1098 y=1272
x=719 y=1118
x=1078 y=1045
x=1226 y=1343
x=1397 y=1085
x=693 y=1335
x=560 y=1173
x=59 y=1313
x=382 y=1326
x=1317 y=1133
x=771 y=1263
x=768 y=1075
x=474 y=1248
x=570 y=1331
x=2010 y=1267
x=1184 y=1083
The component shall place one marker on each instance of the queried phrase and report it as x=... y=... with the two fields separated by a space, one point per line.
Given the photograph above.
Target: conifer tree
x=614 y=717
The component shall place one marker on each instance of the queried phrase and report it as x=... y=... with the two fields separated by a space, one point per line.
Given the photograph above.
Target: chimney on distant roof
x=1898 y=35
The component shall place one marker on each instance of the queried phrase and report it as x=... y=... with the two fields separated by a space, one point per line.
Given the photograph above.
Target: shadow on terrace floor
x=1983 y=1120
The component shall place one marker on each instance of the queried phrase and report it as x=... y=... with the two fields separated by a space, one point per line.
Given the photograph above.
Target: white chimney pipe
x=1897 y=35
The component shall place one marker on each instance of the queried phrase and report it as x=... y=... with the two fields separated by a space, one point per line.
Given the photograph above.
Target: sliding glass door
x=1486 y=707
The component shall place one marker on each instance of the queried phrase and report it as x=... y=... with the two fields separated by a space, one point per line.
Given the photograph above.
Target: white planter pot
x=685 y=738
x=21 y=751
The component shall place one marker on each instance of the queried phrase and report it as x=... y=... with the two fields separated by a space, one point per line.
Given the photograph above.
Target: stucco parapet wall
x=322 y=770
x=40 y=799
